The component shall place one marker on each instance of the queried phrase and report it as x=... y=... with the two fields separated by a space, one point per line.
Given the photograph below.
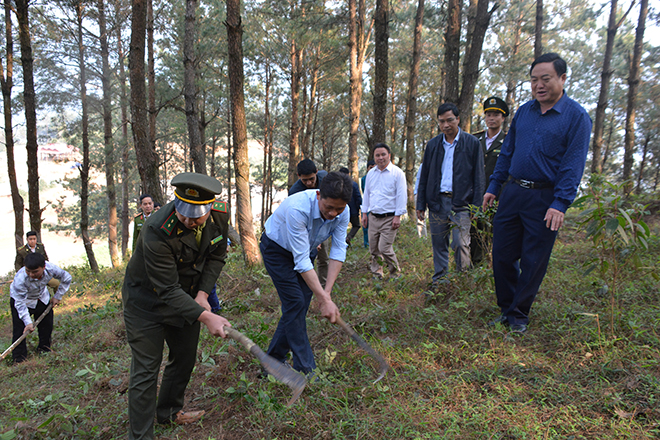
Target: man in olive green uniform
x=178 y=257
x=147 y=207
x=491 y=139
x=31 y=246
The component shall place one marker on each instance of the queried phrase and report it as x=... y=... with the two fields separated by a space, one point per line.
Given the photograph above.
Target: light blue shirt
x=27 y=291
x=298 y=227
x=446 y=184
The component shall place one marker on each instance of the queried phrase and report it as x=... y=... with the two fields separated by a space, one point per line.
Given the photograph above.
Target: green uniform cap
x=195 y=193
x=496 y=104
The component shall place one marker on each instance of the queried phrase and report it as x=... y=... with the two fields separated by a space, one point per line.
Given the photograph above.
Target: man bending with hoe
x=29 y=296
x=289 y=246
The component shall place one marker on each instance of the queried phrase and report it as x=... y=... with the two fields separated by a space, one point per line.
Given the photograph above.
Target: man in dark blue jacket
x=452 y=178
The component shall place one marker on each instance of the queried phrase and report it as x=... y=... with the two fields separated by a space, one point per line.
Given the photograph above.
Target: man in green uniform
x=31 y=246
x=491 y=139
x=147 y=207
x=178 y=257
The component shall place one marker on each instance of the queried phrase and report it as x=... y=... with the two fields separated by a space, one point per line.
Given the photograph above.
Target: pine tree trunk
x=151 y=76
x=411 y=108
x=633 y=85
x=234 y=26
x=147 y=158
x=309 y=151
x=84 y=170
x=29 y=101
x=472 y=58
x=7 y=82
x=294 y=147
x=190 y=90
x=452 y=50
x=538 y=30
x=266 y=175
x=381 y=69
x=356 y=44
x=642 y=165
x=107 y=140
x=605 y=77
x=123 y=103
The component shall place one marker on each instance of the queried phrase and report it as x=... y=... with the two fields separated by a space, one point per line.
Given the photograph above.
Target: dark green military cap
x=195 y=193
x=496 y=104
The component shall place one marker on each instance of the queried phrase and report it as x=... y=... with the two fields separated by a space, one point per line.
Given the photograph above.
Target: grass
x=451 y=377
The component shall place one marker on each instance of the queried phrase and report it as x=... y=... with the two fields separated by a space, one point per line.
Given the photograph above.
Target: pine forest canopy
x=301 y=96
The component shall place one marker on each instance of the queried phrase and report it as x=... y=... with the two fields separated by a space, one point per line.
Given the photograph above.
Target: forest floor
x=571 y=376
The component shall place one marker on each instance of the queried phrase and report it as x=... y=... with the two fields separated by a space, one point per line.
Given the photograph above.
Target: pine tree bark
x=481 y=21
x=234 y=26
x=151 y=77
x=190 y=90
x=538 y=30
x=84 y=170
x=7 y=83
x=108 y=149
x=633 y=86
x=357 y=45
x=642 y=165
x=452 y=50
x=381 y=69
x=147 y=158
x=603 y=96
x=411 y=108
x=295 y=55
x=29 y=102
x=308 y=147
x=123 y=103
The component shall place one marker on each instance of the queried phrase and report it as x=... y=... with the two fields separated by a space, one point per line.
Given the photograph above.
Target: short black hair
x=336 y=185
x=34 y=260
x=157 y=205
x=554 y=58
x=371 y=163
x=447 y=106
x=344 y=170
x=382 y=145
x=144 y=196
x=306 y=166
x=31 y=233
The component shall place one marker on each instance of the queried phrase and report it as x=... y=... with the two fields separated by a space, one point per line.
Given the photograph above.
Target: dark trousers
x=295 y=295
x=522 y=245
x=146 y=339
x=355 y=226
x=45 y=329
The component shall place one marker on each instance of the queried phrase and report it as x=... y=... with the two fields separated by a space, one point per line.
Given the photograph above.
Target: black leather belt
x=445 y=194
x=532 y=185
x=387 y=214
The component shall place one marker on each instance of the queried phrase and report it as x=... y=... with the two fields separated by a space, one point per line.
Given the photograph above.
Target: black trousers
x=45 y=329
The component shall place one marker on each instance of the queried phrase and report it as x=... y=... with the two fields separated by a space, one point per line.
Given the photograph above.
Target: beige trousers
x=381 y=241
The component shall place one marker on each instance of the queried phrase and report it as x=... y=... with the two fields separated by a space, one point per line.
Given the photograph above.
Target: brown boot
x=187 y=417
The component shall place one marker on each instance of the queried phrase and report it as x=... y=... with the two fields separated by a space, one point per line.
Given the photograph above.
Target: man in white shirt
x=451 y=180
x=383 y=204
x=29 y=296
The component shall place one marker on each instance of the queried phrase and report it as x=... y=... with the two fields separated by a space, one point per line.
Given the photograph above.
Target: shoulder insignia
x=139 y=215
x=169 y=224
x=219 y=206
x=216 y=239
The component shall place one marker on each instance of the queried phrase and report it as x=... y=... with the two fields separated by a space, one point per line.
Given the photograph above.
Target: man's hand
x=54 y=301
x=554 y=219
x=202 y=299
x=215 y=323
x=365 y=220
x=396 y=222
x=28 y=328
x=421 y=215
x=489 y=199
x=329 y=311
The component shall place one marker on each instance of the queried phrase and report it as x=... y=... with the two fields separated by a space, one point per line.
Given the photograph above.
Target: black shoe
x=519 y=328
x=499 y=320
